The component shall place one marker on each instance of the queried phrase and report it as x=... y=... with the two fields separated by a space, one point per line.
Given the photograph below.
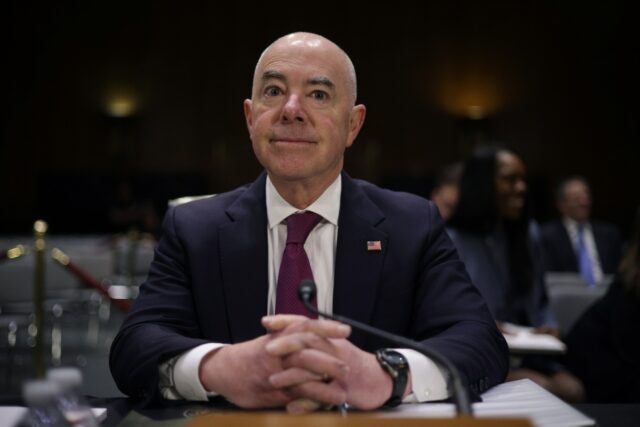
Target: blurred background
x=102 y=98
x=113 y=108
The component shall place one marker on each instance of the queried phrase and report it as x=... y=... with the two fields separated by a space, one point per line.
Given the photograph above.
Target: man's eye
x=273 y=91
x=319 y=95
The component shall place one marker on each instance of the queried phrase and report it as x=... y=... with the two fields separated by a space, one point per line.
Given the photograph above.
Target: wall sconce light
x=475 y=112
x=121 y=106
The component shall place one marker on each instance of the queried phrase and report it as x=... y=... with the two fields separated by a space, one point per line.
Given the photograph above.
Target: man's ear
x=247 y=113
x=356 y=120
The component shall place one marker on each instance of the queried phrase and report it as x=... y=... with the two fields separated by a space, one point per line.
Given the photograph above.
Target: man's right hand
x=240 y=372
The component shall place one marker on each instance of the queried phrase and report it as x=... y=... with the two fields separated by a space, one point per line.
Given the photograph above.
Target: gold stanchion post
x=134 y=242
x=39 y=231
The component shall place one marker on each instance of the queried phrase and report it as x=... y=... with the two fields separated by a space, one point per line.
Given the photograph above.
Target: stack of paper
x=522 y=339
x=516 y=399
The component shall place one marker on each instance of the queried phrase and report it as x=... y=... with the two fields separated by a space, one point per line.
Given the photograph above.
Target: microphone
x=306 y=294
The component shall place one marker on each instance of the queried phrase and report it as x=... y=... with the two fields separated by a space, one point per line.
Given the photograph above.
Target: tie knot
x=300 y=225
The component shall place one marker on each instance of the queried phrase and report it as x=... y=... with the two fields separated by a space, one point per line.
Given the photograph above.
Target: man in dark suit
x=197 y=328
x=575 y=242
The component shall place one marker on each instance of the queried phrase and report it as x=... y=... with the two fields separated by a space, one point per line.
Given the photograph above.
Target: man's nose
x=293 y=110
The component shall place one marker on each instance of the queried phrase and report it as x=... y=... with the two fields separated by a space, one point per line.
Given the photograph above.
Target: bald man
x=209 y=320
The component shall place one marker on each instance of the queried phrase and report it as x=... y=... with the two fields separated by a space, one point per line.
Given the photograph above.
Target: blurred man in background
x=446 y=191
x=575 y=242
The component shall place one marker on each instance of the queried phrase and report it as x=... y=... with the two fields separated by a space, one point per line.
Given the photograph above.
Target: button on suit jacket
x=208 y=282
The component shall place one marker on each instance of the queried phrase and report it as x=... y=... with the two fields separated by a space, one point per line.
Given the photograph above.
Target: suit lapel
x=243 y=262
x=566 y=246
x=357 y=269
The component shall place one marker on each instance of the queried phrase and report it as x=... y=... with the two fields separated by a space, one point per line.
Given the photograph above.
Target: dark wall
x=550 y=76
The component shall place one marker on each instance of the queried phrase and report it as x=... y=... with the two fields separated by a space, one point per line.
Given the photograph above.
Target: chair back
x=569 y=297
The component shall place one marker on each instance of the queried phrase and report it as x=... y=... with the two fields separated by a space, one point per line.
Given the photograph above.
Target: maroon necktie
x=295 y=265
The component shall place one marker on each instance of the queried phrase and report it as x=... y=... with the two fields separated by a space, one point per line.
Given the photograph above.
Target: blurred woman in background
x=501 y=249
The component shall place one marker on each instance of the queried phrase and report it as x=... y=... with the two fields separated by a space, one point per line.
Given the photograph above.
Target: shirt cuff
x=179 y=377
x=428 y=381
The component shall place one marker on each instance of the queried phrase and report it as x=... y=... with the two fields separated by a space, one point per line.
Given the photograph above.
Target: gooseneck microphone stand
x=306 y=294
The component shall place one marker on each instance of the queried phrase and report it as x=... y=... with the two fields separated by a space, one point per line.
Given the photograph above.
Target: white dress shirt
x=179 y=376
x=589 y=241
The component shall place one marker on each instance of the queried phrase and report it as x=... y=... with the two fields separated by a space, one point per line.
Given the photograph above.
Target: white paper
x=516 y=399
x=523 y=339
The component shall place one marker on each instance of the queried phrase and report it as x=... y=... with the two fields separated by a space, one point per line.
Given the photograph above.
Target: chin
x=296 y=168
x=514 y=214
x=289 y=174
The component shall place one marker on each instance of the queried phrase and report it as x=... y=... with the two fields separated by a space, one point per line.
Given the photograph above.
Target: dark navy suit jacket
x=559 y=252
x=208 y=282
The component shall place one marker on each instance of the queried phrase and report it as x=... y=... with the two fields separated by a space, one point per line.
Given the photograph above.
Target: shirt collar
x=574 y=225
x=327 y=205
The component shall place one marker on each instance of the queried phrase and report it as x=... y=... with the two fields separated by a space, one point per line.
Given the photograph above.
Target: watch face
x=395 y=359
x=397 y=367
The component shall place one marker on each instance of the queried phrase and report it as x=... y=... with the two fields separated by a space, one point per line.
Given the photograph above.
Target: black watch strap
x=394 y=364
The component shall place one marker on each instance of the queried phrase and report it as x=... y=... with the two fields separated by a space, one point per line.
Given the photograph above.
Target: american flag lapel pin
x=374 y=245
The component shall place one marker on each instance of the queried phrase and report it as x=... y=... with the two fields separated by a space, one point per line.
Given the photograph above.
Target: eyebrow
x=322 y=81
x=269 y=75
x=276 y=75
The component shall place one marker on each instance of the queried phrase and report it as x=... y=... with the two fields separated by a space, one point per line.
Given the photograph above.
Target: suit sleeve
x=452 y=317
x=162 y=322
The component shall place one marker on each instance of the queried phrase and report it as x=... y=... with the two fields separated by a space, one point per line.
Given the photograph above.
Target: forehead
x=576 y=187
x=302 y=60
x=509 y=162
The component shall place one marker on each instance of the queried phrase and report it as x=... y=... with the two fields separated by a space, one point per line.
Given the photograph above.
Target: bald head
x=300 y=42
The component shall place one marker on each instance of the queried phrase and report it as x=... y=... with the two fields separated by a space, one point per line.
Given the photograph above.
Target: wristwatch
x=394 y=364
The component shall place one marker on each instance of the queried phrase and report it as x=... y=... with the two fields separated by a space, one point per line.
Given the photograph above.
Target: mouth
x=516 y=202
x=292 y=142
x=287 y=140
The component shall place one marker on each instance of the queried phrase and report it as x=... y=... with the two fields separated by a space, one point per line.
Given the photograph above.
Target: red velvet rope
x=87 y=279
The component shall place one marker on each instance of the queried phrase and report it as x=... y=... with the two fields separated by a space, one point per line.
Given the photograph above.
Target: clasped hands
x=302 y=364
